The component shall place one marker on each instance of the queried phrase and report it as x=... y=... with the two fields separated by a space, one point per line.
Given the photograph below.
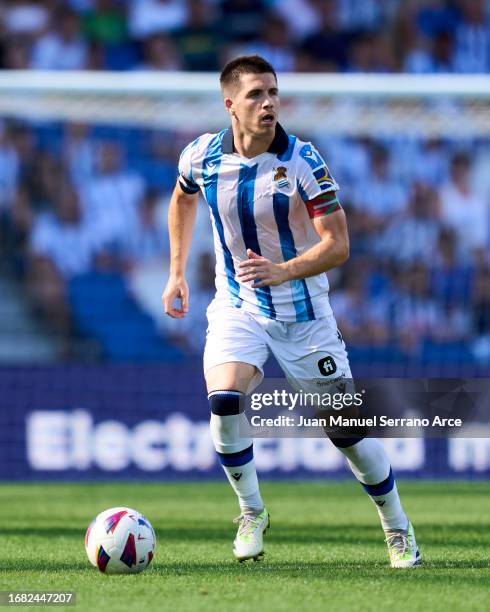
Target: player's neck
x=250 y=145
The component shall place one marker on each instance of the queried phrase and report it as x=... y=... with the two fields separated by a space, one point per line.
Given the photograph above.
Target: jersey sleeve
x=317 y=187
x=186 y=180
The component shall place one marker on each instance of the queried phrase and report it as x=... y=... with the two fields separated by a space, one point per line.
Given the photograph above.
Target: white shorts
x=306 y=351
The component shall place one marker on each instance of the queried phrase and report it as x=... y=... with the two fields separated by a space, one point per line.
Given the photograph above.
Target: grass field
x=325 y=549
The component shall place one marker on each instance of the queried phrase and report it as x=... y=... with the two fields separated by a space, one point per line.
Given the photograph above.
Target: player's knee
x=228 y=422
x=226 y=402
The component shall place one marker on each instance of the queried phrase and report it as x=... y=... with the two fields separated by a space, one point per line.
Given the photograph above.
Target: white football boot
x=248 y=543
x=402 y=548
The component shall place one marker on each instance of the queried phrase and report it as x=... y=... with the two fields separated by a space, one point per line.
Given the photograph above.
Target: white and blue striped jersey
x=265 y=204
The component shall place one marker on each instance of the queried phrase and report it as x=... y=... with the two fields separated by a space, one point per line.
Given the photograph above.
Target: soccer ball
x=120 y=541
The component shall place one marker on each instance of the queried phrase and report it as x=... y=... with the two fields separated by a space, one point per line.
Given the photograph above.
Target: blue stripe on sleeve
x=210 y=170
x=301 y=191
x=245 y=205
x=312 y=158
x=301 y=295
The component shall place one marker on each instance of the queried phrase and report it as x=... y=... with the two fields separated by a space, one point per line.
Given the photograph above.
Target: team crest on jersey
x=281 y=178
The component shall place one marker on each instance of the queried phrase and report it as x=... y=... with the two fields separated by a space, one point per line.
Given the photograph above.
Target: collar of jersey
x=278 y=145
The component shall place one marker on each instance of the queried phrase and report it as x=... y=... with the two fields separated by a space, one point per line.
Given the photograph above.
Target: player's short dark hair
x=245 y=64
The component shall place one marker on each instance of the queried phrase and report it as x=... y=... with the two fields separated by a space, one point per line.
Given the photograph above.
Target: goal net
x=356 y=105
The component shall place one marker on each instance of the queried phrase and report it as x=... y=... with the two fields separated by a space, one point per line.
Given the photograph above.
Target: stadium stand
x=416 y=289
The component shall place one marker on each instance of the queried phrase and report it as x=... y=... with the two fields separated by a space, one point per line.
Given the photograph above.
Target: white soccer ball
x=120 y=541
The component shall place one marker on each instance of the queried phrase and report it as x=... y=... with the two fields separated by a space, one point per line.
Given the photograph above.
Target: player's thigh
x=234 y=375
x=313 y=355
x=235 y=351
x=315 y=361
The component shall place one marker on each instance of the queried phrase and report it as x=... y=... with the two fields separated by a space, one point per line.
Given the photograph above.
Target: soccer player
x=278 y=227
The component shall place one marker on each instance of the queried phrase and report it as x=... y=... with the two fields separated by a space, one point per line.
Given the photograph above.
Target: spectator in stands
x=326 y=48
x=146 y=241
x=481 y=314
x=431 y=162
x=39 y=179
x=302 y=16
x=361 y=320
x=106 y=23
x=433 y=56
x=62 y=235
x=273 y=44
x=416 y=315
x=413 y=234
x=106 y=28
x=472 y=53
x=435 y=16
x=370 y=52
x=147 y=17
x=9 y=173
x=451 y=279
x=62 y=47
x=465 y=210
x=200 y=40
x=9 y=170
x=25 y=18
x=160 y=54
x=39 y=176
x=383 y=196
x=16 y=54
x=349 y=159
x=157 y=160
x=111 y=198
x=242 y=19
x=356 y=15
x=78 y=152
x=61 y=246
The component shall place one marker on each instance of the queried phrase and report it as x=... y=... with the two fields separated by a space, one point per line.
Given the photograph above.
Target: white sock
x=371 y=466
x=244 y=482
x=235 y=453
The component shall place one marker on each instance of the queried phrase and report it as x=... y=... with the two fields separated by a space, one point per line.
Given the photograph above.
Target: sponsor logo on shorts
x=327 y=366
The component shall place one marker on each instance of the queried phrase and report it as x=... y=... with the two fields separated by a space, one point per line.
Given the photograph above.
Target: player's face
x=255 y=103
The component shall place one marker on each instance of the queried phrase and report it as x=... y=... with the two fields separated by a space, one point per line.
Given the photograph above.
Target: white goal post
x=356 y=105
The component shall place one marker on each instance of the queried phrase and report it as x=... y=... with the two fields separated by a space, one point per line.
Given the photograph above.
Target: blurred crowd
x=76 y=198
x=417 y=36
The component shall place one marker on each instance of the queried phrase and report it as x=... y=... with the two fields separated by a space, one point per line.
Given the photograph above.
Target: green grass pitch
x=325 y=549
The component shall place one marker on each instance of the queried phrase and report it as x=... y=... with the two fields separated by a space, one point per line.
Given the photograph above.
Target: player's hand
x=261 y=271
x=176 y=289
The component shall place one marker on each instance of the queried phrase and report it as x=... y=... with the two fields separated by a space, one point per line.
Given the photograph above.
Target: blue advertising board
x=150 y=422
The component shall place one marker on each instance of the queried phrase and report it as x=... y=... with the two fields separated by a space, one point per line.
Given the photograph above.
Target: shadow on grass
x=365 y=571
x=462 y=535
x=364 y=568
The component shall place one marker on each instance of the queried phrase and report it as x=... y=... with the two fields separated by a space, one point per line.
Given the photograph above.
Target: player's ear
x=228 y=104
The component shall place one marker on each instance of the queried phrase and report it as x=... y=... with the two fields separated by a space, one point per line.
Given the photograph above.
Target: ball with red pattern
x=120 y=541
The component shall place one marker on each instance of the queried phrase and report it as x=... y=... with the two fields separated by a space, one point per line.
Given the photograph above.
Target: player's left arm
x=332 y=250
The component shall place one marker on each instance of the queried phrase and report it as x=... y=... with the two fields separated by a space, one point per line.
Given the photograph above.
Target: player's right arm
x=181 y=217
